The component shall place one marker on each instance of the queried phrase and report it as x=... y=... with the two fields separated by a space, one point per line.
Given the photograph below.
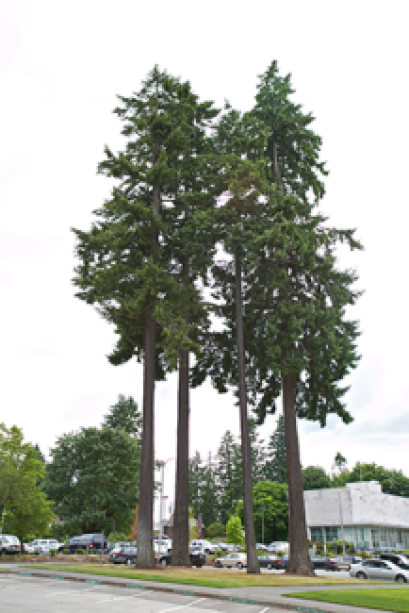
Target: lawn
x=392 y=599
x=194 y=576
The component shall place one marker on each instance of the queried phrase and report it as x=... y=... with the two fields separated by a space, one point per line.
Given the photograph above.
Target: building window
x=317 y=534
x=331 y=533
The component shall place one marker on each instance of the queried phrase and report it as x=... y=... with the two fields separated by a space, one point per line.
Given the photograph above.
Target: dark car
x=197 y=558
x=324 y=563
x=92 y=542
x=125 y=555
x=271 y=562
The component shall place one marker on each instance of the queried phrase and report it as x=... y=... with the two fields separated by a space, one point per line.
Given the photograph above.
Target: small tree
x=234 y=530
x=193 y=531
x=215 y=529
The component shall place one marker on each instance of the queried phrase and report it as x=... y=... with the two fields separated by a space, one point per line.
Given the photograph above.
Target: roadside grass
x=385 y=599
x=192 y=576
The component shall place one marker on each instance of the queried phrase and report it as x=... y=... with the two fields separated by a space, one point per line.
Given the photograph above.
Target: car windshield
x=13 y=539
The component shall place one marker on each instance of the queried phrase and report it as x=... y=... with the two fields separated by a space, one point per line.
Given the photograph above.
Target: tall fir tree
x=124 y=268
x=276 y=462
x=309 y=345
x=229 y=476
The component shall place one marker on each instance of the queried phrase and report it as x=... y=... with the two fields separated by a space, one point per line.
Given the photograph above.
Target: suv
x=9 y=544
x=92 y=542
x=202 y=544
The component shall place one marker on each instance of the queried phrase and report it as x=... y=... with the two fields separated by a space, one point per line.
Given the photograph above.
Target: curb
x=283 y=604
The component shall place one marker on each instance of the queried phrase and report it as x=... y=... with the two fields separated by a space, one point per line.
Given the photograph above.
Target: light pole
x=262 y=509
x=163 y=464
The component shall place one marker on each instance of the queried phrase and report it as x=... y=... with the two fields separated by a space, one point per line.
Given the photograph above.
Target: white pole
x=160 y=508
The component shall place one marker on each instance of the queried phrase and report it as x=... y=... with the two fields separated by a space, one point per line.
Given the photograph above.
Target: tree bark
x=299 y=559
x=253 y=566
x=145 y=518
x=180 y=538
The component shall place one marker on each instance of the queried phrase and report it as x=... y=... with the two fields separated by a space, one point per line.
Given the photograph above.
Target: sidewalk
x=261 y=596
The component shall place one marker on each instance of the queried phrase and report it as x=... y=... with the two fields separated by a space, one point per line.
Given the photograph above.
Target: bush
x=215 y=530
x=234 y=530
x=66 y=550
x=53 y=552
x=80 y=552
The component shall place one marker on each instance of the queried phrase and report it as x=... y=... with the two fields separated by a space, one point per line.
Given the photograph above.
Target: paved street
x=28 y=594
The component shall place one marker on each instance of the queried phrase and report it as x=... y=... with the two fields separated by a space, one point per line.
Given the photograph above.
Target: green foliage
x=193 y=531
x=276 y=462
x=215 y=530
x=125 y=415
x=273 y=497
x=234 y=530
x=315 y=478
x=116 y=537
x=26 y=509
x=93 y=478
x=229 y=476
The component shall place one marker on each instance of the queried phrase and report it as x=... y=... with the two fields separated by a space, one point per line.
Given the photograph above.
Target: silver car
x=380 y=570
x=232 y=560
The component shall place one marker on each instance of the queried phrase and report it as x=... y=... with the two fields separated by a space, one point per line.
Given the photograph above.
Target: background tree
x=308 y=346
x=315 y=478
x=276 y=461
x=127 y=260
x=234 y=530
x=274 y=498
x=93 y=478
x=125 y=415
x=229 y=476
x=215 y=530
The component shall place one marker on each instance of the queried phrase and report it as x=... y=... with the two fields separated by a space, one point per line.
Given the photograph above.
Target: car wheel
x=129 y=562
x=199 y=565
x=239 y=565
x=401 y=579
x=360 y=575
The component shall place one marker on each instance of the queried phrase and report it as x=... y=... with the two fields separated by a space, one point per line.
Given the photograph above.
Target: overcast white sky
x=61 y=66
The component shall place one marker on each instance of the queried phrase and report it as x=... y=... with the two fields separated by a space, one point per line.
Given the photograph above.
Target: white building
x=358 y=513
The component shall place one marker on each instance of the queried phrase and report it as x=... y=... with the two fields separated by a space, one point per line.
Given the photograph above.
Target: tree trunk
x=253 y=566
x=145 y=527
x=299 y=559
x=180 y=533
x=145 y=518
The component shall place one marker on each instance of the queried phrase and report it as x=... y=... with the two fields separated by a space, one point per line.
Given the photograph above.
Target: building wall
x=369 y=517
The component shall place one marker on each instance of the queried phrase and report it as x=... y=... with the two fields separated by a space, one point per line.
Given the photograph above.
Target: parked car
x=27 y=548
x=237 y=560
x=261 y=547
x=9 y=544
x=278 y=546
x=395 y=558
x=205 y=546
x=44 y=546
x=162 y=546
x=197 y=558
x=383 y=570
x=273 y=562
x=220 y=546
x=324 y=563
x=344 y=562
x=91 y=541
x=123 y=555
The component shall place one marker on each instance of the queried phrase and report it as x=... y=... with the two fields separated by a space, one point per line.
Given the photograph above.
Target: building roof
x=357 y=504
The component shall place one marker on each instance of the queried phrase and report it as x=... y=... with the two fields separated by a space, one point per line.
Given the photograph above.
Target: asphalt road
x=27 y=595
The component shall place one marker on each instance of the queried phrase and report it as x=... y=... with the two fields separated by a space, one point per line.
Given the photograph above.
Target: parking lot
x=19 y=594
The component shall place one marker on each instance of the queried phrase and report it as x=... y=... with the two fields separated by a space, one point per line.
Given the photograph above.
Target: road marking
x=264 y=610
x=182 y=606
x=124 y=597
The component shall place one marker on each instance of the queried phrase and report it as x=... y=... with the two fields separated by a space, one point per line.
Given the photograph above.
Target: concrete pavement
x=263 y=596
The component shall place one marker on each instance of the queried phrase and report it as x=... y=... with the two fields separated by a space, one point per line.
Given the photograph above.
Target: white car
x=44 y=546
x=9 y=544
x=28 y=548
x=277 y=546
x=202 y=545
x=382 y=570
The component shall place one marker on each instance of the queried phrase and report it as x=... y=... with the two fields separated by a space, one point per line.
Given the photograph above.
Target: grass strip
x=385 y=599
x=193 y=576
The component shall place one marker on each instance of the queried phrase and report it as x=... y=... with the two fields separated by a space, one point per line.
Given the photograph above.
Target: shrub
x=80 y=552
x=53 y=552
